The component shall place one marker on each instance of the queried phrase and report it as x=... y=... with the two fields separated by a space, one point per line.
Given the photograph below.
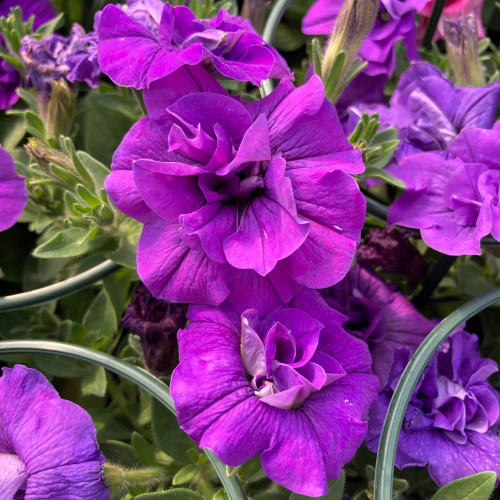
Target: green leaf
x=49 y=27
x=174 y=494
x=35 y=125
x=100 y=319
x=383 y=175
x=120 y=453
x=93 y=167
x=105 y=119
x=335 y=490
x=118 y=285
x=272 y=495
x=95 y=384
x=476 y=487
x=71 y=242
x=288 y=39
x=59 y=366
x=170 y=438
x=185 y=475
x=144 y=450
x=221 y=495
x=87 y=196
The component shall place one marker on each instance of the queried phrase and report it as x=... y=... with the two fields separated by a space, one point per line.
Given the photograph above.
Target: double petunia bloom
x=450 y=423
x=291 y=386
x=138 y=45
x=453 y=199
x=240 y=201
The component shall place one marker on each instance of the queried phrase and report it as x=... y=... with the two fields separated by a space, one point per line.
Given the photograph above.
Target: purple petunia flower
x=57 y=56
x=13 y=192
x=293 y=387
x=429 y=112
x=48 y=446
x=10 y=78
x=453 y=200
x=135 y=53
x=448 y=425
x=240 y=201
x=378 y=314
x=156 y=322
x=396 y=21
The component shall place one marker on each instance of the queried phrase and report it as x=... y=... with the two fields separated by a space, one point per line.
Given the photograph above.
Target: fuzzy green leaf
x=476 y=487
x=71 y=242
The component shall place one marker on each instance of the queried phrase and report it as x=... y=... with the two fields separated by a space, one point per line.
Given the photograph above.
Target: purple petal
x=164 y=92
x=213 y=223
x=167 y=195
x=186 y=275
x=13 y=192
x=122 y=190
x=336 y=223
x=270 y=230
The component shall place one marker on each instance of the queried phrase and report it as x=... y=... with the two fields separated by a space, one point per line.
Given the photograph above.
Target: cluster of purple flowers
x=248 y=209
x=10 y=78
x=251 y=215
x=446 y=158
x=73 y=58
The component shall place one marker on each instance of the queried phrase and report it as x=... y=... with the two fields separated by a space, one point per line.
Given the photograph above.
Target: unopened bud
x=354 y=21
x=462 y=46
x=57 y=111
x=45 y=155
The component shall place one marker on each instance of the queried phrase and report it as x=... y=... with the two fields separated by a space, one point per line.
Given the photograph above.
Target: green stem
x=115 y=474
x=120 y=399
x=433 y=22
x=268 y=34
x=204 y=485
x=384 y=469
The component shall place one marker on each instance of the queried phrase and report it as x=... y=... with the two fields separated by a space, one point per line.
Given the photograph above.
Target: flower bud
x=45 y=155
x=354 y=21
x=462 y=46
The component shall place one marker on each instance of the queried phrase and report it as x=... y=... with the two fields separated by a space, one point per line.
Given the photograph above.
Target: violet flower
x=449 y=422
x=429 y=112
x=133 y=53
x=396 y=21
x=156 y=322
x=13 y=192
x=240 y=201
x=10 y=78
x=392 y=250
x=453 y=200
x=293 y=387
x=57 y=56
x=378 y=314
x=48 y=446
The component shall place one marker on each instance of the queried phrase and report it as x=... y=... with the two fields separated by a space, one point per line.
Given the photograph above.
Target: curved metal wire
x=49 y=293
x=268 y=34
x=384 y=469
x=139 y=376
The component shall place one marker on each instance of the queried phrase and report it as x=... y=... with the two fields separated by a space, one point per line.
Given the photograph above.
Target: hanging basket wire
x=41 y=296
